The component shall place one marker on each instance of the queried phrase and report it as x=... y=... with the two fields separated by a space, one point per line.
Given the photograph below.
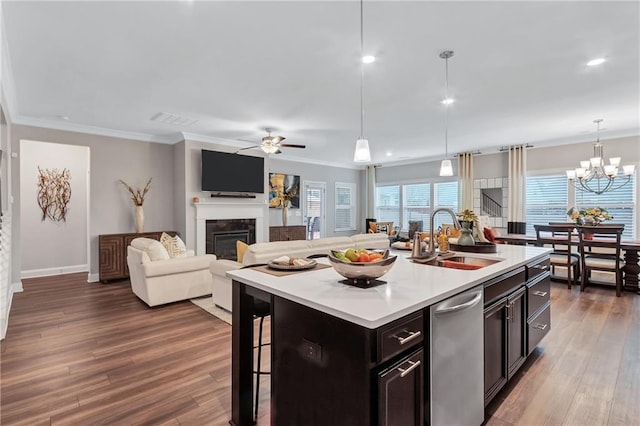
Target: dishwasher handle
x=471 y=303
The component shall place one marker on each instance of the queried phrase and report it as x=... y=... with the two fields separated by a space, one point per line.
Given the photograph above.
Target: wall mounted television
x=228 y=172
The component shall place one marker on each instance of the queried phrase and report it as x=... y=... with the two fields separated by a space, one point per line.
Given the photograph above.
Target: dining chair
x=559 y=236
x=606 y=237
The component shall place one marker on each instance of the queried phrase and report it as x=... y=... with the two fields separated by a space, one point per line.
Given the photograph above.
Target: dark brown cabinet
x=380 y=372
x=287 y=233
x=112 y=250
x=516 y=317
x=400 y=392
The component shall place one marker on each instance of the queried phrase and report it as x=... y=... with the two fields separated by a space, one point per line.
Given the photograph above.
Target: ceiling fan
x=272 y=144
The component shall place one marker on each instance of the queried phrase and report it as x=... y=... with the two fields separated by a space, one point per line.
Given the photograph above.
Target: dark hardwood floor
x=80 y=354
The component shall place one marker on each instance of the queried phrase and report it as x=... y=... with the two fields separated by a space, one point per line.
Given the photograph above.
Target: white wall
x=49 y=247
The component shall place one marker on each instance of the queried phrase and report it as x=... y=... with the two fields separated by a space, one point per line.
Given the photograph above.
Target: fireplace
x=222 y=234
x=207 y=211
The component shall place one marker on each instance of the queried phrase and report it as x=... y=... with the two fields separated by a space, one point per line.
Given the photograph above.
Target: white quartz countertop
x=410 y=286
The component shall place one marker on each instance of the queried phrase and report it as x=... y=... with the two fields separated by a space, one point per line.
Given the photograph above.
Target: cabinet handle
x=412 y=335
x=540 y=293
x=541 y=326
x=543 y=267
x=412 y=366
x=508 y=317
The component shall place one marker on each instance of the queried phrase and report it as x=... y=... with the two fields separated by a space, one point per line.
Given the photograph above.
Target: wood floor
x=90 y=354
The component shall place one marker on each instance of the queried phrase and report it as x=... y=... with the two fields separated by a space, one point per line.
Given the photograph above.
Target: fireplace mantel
x=228 y=210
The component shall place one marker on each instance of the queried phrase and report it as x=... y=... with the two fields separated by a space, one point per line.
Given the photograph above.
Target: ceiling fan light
x=446 y=169
x=269 y=148
x=362 y=153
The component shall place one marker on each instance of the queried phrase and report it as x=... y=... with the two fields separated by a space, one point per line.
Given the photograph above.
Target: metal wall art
x=54 y=193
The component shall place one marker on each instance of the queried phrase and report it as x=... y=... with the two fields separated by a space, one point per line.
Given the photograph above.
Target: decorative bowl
x=362 y=274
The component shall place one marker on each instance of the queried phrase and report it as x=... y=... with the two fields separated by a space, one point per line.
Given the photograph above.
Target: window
x=619 y=203
x=345 y=207
x=415 y=206
x=547 y=201
x=414 y=202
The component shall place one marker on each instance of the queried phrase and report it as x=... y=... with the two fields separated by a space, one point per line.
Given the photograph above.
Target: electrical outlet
x=311 y=350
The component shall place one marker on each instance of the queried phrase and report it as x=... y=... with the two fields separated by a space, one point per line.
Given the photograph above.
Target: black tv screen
x=227 y=172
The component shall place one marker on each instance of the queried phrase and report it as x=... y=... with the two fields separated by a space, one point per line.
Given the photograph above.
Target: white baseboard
x=13 y=288
x=93 y=278
x=54 y=271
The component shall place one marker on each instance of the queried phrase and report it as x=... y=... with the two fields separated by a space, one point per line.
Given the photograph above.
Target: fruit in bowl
x=369 y=264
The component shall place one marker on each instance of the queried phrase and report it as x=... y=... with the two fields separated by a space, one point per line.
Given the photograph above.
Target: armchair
x=157 y=279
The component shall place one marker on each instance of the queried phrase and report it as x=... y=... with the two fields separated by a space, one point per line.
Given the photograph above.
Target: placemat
x=280 y=273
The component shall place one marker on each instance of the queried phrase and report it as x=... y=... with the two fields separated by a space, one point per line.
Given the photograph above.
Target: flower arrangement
x=592 y=216
x=137 y=194
x=467 y=216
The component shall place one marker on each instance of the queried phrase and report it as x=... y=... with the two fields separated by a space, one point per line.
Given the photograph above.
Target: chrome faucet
x=432 y=232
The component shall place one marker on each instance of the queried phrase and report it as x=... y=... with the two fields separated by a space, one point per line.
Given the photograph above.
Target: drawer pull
x=412 y=366
x=412 y=335
x=540 y=293
x=542 y=267
x=541 y=326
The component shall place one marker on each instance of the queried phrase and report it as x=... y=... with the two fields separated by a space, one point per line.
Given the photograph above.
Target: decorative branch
x=137 y=194
x=54 y=193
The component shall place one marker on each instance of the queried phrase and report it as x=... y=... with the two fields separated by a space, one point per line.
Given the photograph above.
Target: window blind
x=547 y=200
x=345 y=211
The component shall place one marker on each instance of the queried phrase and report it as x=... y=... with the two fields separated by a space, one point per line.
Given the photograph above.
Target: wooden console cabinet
x=287 y=233
x=112 y=249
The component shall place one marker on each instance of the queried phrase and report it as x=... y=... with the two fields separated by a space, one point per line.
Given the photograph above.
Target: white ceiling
x=519 y=71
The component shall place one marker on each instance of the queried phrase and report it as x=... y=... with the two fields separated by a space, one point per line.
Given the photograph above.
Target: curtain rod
x=507 y=148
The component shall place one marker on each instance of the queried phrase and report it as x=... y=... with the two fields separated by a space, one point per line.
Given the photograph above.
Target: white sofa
x=264 y=252
x=165 y=280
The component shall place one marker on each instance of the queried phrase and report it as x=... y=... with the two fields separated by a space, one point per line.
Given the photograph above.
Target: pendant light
x=362 y=153
x=446 y=169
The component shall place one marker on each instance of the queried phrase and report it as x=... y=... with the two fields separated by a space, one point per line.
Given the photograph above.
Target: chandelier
x=596 y=177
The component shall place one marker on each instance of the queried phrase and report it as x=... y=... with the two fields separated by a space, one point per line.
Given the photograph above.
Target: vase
x=139 y=219
x=466 y=239
x=285 y=215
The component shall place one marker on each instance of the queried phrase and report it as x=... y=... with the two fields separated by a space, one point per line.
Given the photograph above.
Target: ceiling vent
x=176 y=120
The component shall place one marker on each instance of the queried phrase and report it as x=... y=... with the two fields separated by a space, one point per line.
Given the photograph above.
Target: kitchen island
x=334 y=345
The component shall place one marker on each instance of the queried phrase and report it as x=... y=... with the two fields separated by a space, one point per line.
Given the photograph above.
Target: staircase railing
x=491 y=206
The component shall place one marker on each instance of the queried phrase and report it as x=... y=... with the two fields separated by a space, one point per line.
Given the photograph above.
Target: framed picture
x=284 y=190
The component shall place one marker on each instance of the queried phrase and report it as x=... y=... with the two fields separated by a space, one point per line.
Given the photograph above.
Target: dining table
x=630 y=248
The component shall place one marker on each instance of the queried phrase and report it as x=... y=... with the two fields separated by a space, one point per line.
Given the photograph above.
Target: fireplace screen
x=221 y=236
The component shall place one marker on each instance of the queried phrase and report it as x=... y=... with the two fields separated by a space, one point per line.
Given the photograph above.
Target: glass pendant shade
x=446 y=169
x=362 y=153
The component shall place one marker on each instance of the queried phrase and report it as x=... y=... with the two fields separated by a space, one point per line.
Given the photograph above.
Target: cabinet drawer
x=538 y=294
x=538 y=327
x=400 y=336
x=537 y=268
x=503 y=285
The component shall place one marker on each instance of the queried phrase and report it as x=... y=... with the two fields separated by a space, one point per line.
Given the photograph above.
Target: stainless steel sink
x=461 y=262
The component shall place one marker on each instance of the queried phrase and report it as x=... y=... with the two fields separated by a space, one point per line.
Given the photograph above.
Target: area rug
x=206 y=303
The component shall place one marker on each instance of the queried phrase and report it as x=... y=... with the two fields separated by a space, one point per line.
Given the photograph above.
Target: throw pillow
x=174 y=246
x=154 y=249
x=241 y=248
x=373 y=227
x=490 y=234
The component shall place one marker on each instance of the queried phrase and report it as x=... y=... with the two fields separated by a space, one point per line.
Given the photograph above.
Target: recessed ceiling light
x=594 y=62
x=63 y=117
x=389 y=153
x=367 y=59
x=448 y=101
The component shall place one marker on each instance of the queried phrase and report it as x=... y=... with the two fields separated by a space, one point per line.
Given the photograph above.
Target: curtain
x=371 y=190
x=517 y=189
x=465 y=180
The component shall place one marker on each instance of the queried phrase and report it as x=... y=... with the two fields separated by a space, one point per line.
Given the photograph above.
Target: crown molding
x=93 y=130
x=6 y=77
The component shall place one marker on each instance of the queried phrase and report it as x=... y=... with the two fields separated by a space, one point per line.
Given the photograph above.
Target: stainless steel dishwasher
x=457 y=360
